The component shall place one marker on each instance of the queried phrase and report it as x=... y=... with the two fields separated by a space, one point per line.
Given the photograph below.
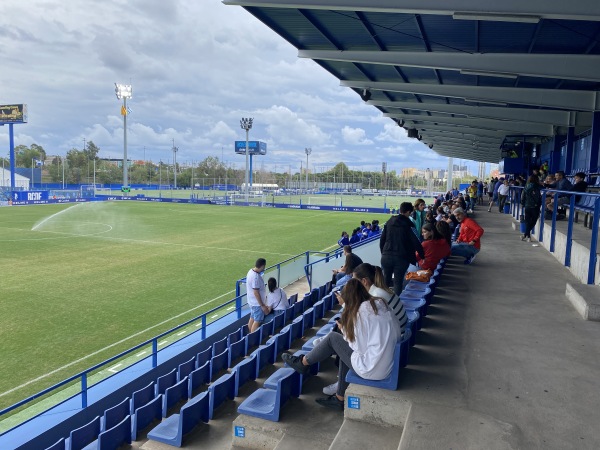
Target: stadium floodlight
x=124 y=91
x=246 y=124
x=308 y=151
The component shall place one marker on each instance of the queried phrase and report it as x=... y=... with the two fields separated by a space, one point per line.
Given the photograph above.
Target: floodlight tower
x=308 y=151
x=124 y=92
x=246 y=124
x=175 y=149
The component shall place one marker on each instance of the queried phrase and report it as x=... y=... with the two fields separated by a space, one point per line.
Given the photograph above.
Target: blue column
x=595 y=146
x=569 y=156
x=11 y=140
x=555 y=154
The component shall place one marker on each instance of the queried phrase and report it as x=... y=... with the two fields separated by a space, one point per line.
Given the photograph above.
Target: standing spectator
x=276 y=298
x=503 y=191
x=480 y=189
x=418 y=215
x=531 y=200
x=490 y=189
x=369 y=332
x=472 y=191
x=468 y=242
x=497 y=184
x=398 y=245
x=256 y=295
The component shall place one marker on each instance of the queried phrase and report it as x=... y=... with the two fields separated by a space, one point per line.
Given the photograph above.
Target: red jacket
x=470 y=231
x=434 y=251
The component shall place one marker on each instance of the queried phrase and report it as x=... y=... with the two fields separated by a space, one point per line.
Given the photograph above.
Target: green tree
x=26 y=156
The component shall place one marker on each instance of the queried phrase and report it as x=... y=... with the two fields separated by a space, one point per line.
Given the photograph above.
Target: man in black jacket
x=398 y=245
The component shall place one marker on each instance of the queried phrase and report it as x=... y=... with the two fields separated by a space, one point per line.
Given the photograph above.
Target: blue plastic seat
x=322 y=291
x=314 y=368
x=199 y=377
x=282 y=341
x=314 y=297
x=325 y=329
x=220 y=390
x=145 y=415
x=278 y=321
x=244 y=371
x=142 y=396
x=296 y=328
x=218 y=363
x=173 y=428
x=334 y=317
x=234 y=337
x=174 y=394
x=186 y=368
x=298 y=309
x=219 y=346
x=265 y=354
x=267 y=329
x=58 y=445
x=391 y=381
x=253 y=339
x=328 y=302
x=203 y=356
x=82 y=436
x=271 y=382
x=319 y=308
x=166 y=381
x=415 y=304
x=114 y=415
x=293 y=299
x=113 y=438
x=308 y=345
x=289 y=314
x=309 y=318
x=236 y=351
x=267 y=403
x=412 y=324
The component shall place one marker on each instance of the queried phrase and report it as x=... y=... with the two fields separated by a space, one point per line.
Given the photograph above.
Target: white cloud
x=355 y=136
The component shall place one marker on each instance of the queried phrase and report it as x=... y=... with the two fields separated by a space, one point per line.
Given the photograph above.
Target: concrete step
x=435 y=426
x=586 y=299
x=376 y=406
x=361 y=435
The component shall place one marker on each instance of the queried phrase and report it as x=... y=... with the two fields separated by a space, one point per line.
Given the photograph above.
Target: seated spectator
x=436 y=247
x=468 y=242
x=375 y=226
x=350 y=263
x=444 y=229
x=580 y=185
x=363 y=225
x=369 y=332
x=355 y=236
x=276 y=297
x=344 y=240
x=366 y=231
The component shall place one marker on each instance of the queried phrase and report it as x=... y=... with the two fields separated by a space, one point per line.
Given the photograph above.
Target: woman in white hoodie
x=369 y=332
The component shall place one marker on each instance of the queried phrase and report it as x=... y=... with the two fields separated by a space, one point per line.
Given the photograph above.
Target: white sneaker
x=317 y=340
x=331 y=389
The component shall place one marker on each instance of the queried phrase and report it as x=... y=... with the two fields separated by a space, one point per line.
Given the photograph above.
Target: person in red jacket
x=435 y=245
x=468 y=242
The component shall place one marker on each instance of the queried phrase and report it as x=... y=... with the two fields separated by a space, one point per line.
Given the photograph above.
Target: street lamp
x=246 y=124
x=308 y=151
x=124 y=92
x=175 y=149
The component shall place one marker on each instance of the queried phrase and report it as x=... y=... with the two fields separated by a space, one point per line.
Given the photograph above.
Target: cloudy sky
x=196 y=68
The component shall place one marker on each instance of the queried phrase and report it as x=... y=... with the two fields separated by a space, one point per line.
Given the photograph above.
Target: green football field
x=78 y=279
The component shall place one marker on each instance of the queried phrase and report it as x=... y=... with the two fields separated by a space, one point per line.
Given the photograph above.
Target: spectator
x=531 y=200
x=350 y=263
x=344 y=240
x=561 y=184
x=435 y=246
x=472 y=191
x=495 y=192
x=355 y=236
x=276 y=298
x=369 y=333
x=398 y=245
x=480 y=189
x=418 y=215
x=444 y=229
x=256 y=295
x=580 y=185
x=503 y=191
x=468 y=242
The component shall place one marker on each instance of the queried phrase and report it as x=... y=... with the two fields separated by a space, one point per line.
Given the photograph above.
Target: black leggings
x=531 y=217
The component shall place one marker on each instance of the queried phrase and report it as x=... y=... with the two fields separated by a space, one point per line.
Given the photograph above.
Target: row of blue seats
x=201 y=407
x=154 y=400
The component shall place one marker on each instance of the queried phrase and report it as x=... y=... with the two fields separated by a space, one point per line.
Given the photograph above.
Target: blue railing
x=83 y=376
x=592 y=199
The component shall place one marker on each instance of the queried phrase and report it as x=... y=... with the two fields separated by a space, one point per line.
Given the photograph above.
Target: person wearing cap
x=468 y=242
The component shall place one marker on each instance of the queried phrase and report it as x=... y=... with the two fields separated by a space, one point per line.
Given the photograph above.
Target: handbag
x=420 y=275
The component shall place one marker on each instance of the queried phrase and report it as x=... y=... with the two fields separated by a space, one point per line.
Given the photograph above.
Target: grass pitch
x=76 y=279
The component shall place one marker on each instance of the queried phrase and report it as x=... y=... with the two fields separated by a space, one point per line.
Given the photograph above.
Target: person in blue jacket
x=344 y=240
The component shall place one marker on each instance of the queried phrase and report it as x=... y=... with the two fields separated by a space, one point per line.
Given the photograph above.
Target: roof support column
x=570 y=144
x=595 y=146
x=555 y=155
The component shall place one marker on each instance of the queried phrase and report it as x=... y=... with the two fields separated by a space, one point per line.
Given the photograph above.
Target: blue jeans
x=465 y=250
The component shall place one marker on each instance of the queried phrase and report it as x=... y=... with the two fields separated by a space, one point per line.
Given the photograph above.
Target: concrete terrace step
x=436 y=426
x=360 y=435
x=586 y=299
x=376 y=406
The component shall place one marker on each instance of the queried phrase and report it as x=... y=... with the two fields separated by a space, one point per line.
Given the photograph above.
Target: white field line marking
x=41 y=377
x=140 y=353
x=212 y=317
x=35 y=227
x=163 y=342
x=183 y=332
x=230 y=308
x=113 y=369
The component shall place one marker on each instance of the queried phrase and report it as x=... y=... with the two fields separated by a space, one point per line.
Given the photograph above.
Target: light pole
x=175 y=149
x=308 y=151
x=124 y=92
x=246 y=124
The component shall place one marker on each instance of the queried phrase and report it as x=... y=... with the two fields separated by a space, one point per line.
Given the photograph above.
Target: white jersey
x=254 y=281
x=277 y=300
